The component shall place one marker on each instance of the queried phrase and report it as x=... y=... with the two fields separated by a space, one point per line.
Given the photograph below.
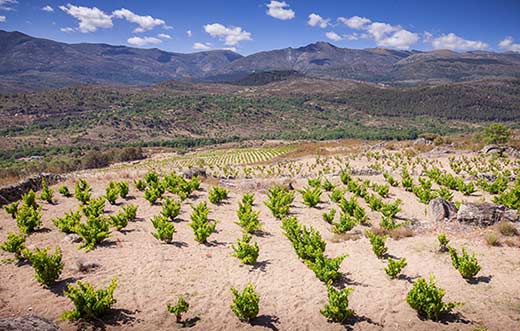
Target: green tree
x=497 y=133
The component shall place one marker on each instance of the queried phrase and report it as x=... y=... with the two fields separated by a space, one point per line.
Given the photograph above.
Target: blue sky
x=249 y=26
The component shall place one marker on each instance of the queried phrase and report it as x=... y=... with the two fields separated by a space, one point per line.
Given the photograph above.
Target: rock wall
x=14 y=192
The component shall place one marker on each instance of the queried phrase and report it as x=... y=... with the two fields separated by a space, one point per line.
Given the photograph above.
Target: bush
x=245 y=304
x=64 y=190
x=382 y=190
x=130 y=211
x=389 y=223
x=119 y=221
x=327 y=185
x=390 y=180
x=336 y=195
x=492 y=239
x=326 y=269
x=395 y=266
x=443 y=242
x=112 y=192
x=82 y=191
x=378 y=244
x=314 y=182
x=345 y=224
x=217 y=195
x=497 y=133
x=47 y=193
x=15 y=244
x=391 y=209
x=307 y=242
x=426 y=299
x=94 y=208
x=311 y=196
x=170 y=208
x=89 y=304
x=336 y=310
x=200 y=224
x=28 y=218
x=47 y=267
x=123 y=189
x=164 y=228
x=466 y=264
x=12 y=208
x=248 y=199
x=247 y=218
x=152 y=194
x=180 y=308
x=93 y=232
x=140 y=184
x=29 y=200
x=329 y=217
x=69 y=223
x=244 y=251
x=279 y=201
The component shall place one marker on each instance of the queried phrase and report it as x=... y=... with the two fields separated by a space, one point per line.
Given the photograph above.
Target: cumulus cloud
x=189 y=33
x=164 y=36
x=48 y=8
x=66 y=30
x=7 y=4
x=317 y=20
x=231 y=35
x=453 y=42
x=355 y=22
x=3 y=19
x=333 y=36
x=202 y=46
x=145 y=22
x=508 y=45
x=90 y=19
x=384 y=34
x=280 y=10
x=141 y=41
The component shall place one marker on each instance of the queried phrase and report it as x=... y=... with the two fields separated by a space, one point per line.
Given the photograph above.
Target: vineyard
x=271 y=239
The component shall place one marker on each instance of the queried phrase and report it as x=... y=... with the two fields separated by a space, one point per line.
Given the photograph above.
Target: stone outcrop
x=440 y=210
x=14 y=192
x=199 y=172
x=485 y=214
x=27 y=323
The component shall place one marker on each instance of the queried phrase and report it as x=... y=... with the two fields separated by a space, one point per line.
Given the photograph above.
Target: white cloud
x=189 y=33
x=280 y=10
x=164 y=36
x=67 y=30
x=201 y=46
x=48 y=8
x=3 y=19
x=231 y=35
x=355 y=22
x=384 y=34
x=7 y=4
x=90 y=19
x=508 y=45
x=333 y=36
x=145 y=22
x=141 y=41
x=453 y=42
x=317 y=20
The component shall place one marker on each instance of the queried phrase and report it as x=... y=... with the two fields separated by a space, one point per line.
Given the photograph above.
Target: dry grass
x=396 y=234
x=507 y=229
x=492 y=239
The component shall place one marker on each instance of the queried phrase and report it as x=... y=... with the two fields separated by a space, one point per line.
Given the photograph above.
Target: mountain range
x=31 y=64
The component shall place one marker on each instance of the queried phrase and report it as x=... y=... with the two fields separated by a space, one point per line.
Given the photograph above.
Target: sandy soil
x=151 y=274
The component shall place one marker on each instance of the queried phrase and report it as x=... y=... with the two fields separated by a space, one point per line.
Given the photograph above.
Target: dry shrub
x=507 y=229
x=340 y=237
x=396 y=234
x=512 y=242
x=492 y=239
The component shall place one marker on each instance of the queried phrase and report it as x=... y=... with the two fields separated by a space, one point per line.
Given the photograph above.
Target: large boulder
x=27 y=323
x=485 y=214
x=192 y=172
x=440 y=210
x=493 y=149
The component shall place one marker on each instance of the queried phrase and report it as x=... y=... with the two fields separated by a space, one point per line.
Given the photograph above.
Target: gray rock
x=86 y=266
x=422 y=141
x=485 y=214
x=27 y=323
x=490 y=149
x=72 y=238
x=199 y=172
x=440 y=210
